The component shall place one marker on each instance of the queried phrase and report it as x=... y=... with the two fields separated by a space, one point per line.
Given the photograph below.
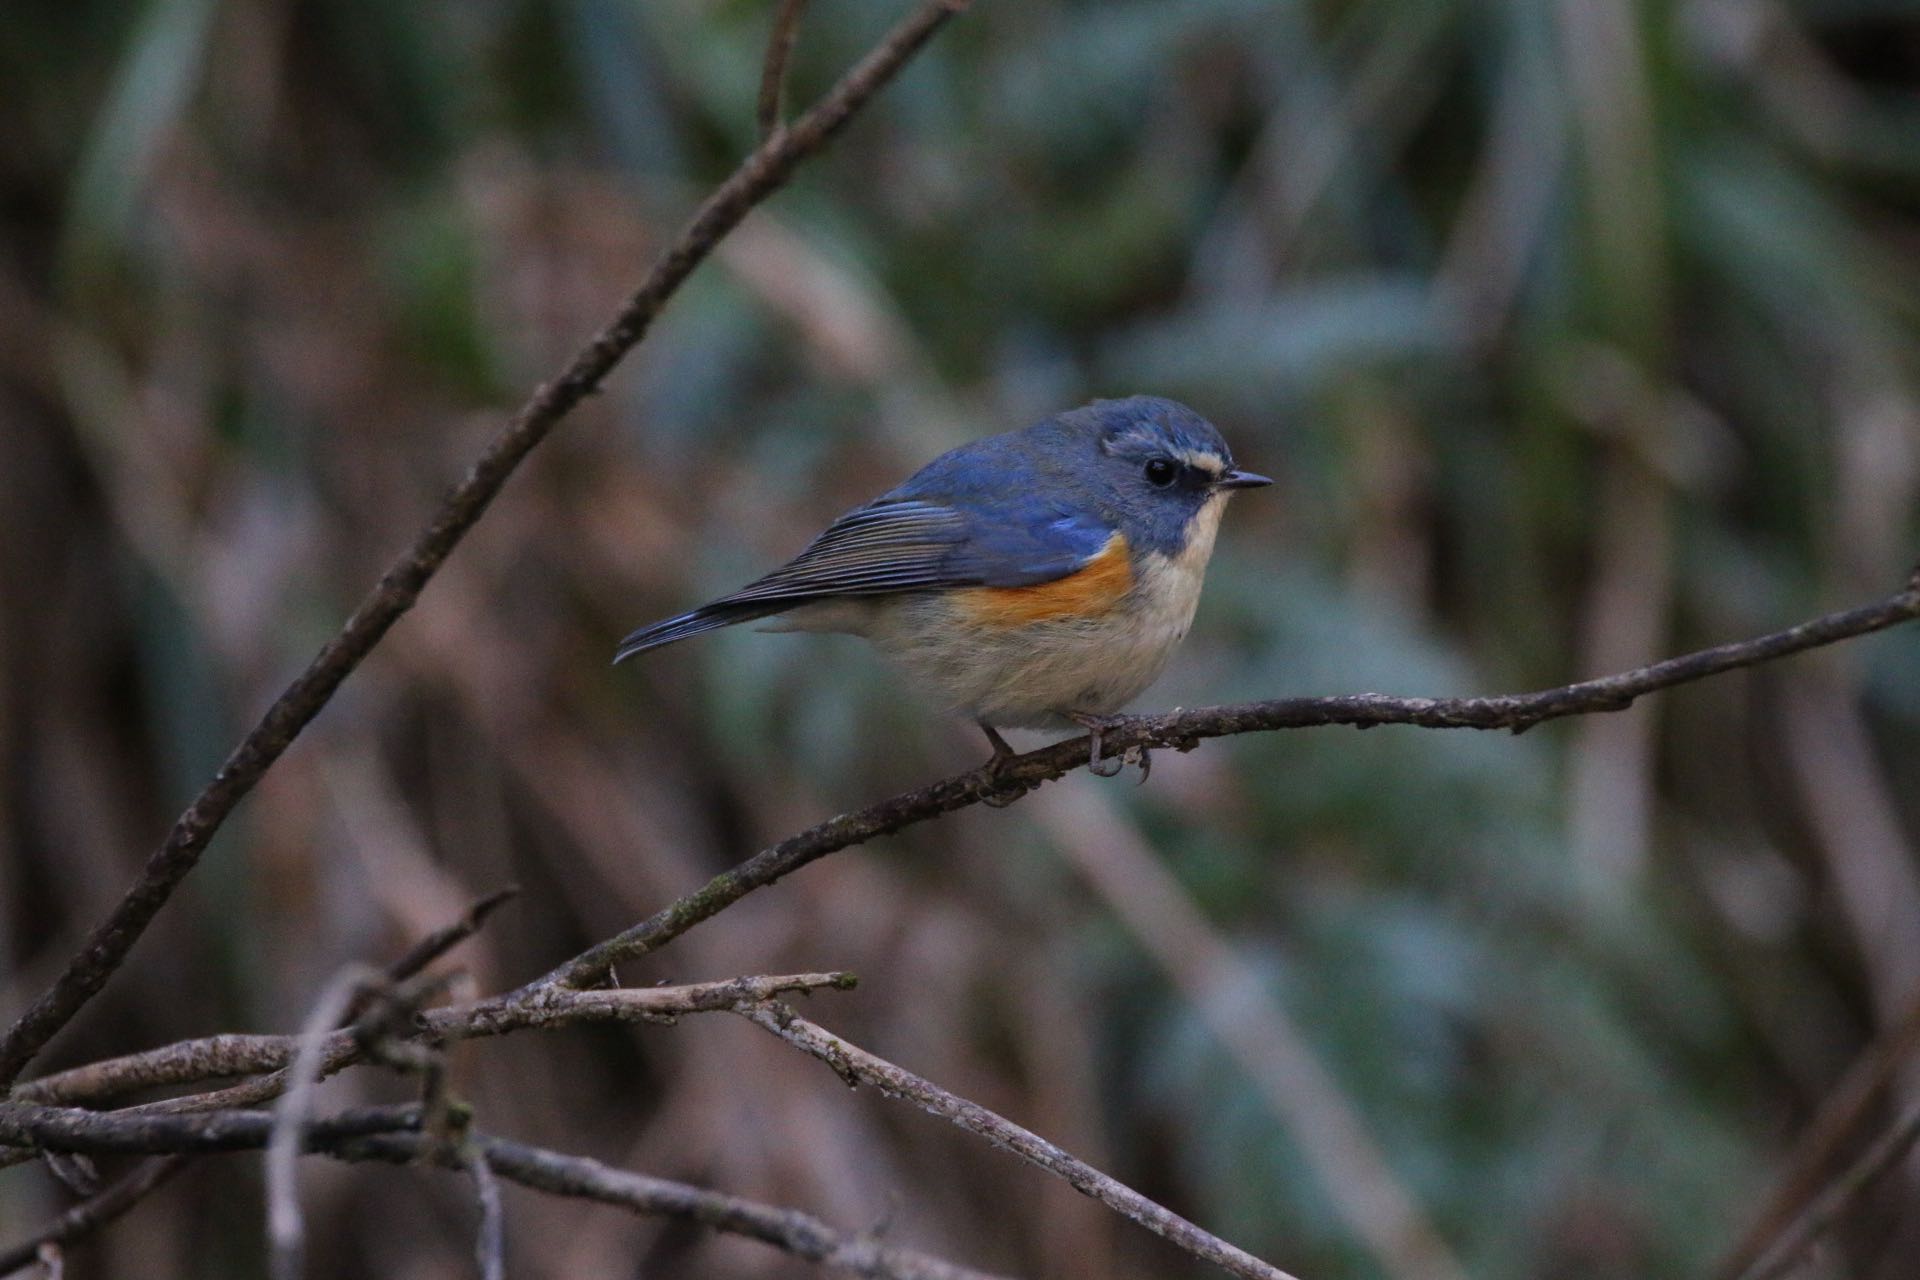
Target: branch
x=90 y=1215
x=436 y=944
x=1831 y=1203
x=1183 y=730
x=125 y=1133
x=799 y=1234
x=1833 y=1126
x=773 y=75
x=216 y=1057
x=286 y=1230
x=758 y=177
x=229 y=1055
x=490 y=1238
x=384 y=1133
x=854 y=1064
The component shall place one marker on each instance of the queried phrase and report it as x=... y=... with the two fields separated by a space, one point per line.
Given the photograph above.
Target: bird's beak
x=1241 y=480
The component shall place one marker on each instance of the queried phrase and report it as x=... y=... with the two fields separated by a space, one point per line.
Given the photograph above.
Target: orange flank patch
x=1093 y=589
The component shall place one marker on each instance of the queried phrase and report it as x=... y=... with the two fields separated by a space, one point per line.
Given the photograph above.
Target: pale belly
x=1027 y=676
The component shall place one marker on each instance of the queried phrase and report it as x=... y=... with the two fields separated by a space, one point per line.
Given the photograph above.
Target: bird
x=1028 y=580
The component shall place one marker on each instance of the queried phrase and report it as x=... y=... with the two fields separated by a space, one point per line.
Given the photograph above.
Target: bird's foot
x=1096 y=727
x=998 y=791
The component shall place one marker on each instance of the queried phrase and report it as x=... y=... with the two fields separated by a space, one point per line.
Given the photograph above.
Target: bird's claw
x=997 y=791
x=996 y=797
x=1096 y=727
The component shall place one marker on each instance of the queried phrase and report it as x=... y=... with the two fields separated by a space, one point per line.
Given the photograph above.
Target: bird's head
x=1163 y=471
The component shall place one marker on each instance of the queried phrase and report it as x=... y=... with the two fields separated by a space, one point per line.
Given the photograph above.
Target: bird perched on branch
x=1039 y=576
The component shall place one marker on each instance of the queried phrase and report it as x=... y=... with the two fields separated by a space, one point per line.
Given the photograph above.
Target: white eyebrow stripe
x=1203 y=460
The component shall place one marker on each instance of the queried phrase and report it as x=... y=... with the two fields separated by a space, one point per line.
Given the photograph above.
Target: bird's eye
x=1161 y=472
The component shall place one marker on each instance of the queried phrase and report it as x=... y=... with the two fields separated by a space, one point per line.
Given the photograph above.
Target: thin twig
x=120 y=1133
x=1182 y=730
x=1831 y=1203
x=437 y=944
x=773 y=73
x=189 y=1061
x=285 y=1233
x=1833 y=1126
x=854 y=1064
x=490 y=1237
x=799 y=1234
x=90 y=1215
x=232 y=1055
x=389 y=1134
x=758 y=177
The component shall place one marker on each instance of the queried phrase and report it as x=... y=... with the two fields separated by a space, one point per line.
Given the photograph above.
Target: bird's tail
x=708 y=617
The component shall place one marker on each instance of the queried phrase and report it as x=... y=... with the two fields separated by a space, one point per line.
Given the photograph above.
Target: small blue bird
x=1027 y=578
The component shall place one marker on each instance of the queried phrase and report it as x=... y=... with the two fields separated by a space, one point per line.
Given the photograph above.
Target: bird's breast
x=1167 y=587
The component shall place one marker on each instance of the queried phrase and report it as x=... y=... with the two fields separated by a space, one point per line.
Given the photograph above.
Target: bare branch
x=208 y=1058
x=387 y=1134
x=490 y=1239
x=799 y=1234
x=552 y=1006
x=214 y=1057
x=1831 y=1203
x=854 y=1064
x=1833 y=1126
x=758 y=177
x=1182 y=730
x=126 y=1133
x=773 y=75
x=438 y=943
x=285 y=1233
x=90 y=1215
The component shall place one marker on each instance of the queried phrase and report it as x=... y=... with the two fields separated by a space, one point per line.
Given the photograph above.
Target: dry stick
x=232 y=1055
x=773 y=75
x=490 y=1239
x=854 y=1064
x=1182 y=730
x=98 y=1133
x=210 y=1057
x=758 y=177
x=388 y=1134
x=434 y=945
x=579 y=1177
x=1831 y=1203
x=285 y=1233
x=797 y=1233
x=90 y=1215
x=1840 y=1116
x=187 y=1061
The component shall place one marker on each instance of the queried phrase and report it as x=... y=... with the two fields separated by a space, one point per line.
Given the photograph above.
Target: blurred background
x=1579 y=332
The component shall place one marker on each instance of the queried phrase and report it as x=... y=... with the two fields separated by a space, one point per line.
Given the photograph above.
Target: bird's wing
x=881 y=547
x=895 y=545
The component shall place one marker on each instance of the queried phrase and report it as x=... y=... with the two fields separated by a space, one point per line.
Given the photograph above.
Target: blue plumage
x=1012 y=512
